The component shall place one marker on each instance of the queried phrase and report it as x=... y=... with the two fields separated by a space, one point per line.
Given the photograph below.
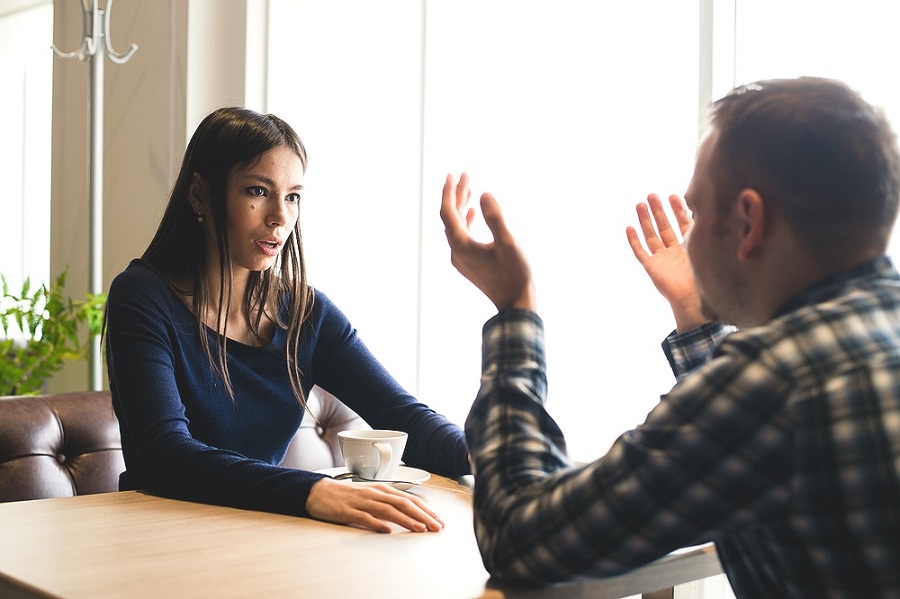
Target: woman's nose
x=278 y=216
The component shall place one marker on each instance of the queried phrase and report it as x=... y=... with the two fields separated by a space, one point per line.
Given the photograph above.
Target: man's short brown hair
x=825 y=157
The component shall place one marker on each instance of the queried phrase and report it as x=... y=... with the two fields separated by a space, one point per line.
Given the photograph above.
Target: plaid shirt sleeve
x=685 y=351
x=694 y=466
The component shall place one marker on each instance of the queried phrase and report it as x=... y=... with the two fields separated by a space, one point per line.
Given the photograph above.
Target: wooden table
x=138 y=545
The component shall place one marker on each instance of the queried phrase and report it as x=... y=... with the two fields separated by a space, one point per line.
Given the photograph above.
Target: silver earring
x=200 y=217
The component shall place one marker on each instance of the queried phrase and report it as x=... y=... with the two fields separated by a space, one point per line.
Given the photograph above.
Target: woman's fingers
x=372 y=506
x=405 y=509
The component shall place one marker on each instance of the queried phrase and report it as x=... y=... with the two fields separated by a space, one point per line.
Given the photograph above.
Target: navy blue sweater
x=183 y=436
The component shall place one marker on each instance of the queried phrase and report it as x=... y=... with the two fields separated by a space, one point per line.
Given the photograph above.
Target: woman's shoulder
x=320 y=299
x=323 y=307
x=325 y=318
x=139 y=278
x=139 y=269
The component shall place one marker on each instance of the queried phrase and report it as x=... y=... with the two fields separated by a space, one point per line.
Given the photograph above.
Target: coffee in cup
x=372 y=454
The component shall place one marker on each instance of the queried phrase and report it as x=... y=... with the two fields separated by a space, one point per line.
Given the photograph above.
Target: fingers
x=493 y=216
x=647 y=228
x=449 y=213
x=497 y=267
x=666 y=233
x=463 y=193
x=682 y=216
x=407 y=510
x=454 y=200
x=376 y=507
x=455 y=210
x=656 y=227
x=636 y=246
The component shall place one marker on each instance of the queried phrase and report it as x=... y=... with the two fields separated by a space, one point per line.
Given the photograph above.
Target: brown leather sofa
x=67 y=444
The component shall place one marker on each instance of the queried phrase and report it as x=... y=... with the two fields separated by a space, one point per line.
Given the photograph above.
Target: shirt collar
x=881 y=267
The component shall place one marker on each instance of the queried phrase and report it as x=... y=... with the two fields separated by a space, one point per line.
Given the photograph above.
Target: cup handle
x=385 y=453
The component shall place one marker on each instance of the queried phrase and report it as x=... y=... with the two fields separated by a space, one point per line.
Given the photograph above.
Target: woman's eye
x=256 y=191
x=294 y=198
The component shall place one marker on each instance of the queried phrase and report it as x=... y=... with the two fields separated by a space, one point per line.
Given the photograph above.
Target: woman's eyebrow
x=268 y=181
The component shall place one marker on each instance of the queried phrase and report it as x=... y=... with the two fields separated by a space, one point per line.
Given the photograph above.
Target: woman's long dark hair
x=226 y=139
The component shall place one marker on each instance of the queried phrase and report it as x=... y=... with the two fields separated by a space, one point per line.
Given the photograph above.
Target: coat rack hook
x=113 y=55
x=96 y=35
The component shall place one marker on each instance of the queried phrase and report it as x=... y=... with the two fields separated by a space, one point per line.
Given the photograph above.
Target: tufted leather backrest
x=315 y=446
x=58 y=446
x=66 y=444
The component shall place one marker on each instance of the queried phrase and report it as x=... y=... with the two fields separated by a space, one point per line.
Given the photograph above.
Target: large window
x=570 y=112
x=26 y=69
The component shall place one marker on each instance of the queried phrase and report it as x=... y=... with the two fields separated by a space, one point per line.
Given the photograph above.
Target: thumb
x=493 y=217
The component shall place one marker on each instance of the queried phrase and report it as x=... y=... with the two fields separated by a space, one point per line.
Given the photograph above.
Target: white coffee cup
x=373 y=454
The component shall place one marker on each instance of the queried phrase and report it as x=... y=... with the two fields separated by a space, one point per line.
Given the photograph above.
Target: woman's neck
x=231 y=314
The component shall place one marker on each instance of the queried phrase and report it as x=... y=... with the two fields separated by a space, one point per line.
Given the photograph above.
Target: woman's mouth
x=269 y=248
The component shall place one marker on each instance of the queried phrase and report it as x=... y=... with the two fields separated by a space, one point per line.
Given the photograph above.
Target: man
x=781 y=440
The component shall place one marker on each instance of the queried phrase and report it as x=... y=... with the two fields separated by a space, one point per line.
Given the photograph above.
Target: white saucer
x=410 y=476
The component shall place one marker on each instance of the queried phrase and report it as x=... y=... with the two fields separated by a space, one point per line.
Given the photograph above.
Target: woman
x=214 y=340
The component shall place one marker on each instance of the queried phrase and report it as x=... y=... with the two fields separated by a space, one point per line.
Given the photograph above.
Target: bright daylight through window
x=570 y=112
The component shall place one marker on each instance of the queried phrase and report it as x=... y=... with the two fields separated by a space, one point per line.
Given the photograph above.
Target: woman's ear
x=197 y=193
x=752 y=222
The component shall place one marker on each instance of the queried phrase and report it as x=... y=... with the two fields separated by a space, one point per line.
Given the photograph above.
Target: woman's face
x=262 y=203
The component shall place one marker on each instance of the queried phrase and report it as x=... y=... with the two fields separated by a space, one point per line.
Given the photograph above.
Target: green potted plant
x=41 y=329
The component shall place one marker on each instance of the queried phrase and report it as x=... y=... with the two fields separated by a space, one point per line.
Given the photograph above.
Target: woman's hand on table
x=373 y=506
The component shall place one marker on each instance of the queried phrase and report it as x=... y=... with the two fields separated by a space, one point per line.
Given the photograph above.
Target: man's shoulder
x=841 y=332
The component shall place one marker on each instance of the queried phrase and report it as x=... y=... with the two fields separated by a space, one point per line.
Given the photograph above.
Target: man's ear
x=197 y=193
x=751 y=211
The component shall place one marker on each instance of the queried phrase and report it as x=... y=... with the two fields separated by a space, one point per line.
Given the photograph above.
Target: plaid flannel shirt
x=782 y=445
